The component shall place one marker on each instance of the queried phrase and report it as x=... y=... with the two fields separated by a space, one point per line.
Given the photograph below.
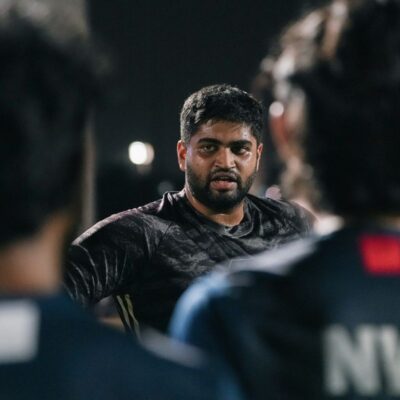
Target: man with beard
x=146 y=257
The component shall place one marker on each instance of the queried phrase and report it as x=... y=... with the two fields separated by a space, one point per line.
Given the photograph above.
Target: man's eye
x=208 y=148
x=240 y=149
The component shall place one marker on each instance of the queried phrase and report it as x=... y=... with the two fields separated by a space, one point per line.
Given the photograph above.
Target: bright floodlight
x=141 y=153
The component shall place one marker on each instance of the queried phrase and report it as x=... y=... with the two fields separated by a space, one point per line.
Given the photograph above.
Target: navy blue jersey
x=316 y=319
x=147 y=257
x=49 y=349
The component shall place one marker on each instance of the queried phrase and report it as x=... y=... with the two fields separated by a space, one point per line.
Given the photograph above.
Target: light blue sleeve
x=195 y=322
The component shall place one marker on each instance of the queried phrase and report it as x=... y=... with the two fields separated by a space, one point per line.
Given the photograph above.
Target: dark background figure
x=318 y=319
x=49 y=348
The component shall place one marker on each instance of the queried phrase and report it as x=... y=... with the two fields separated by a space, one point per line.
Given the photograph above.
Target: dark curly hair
x=221 y=103
x=345 y=60
x=48 y=79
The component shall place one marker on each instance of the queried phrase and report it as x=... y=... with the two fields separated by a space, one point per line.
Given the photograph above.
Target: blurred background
x=162 y=51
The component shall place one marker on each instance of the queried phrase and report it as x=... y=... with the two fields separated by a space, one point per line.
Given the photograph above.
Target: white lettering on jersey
x=366 y=360
x=19 y=331
x=350 y=362
x=389 y=343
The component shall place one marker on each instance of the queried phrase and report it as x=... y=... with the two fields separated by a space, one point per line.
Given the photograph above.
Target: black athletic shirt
x=51 y=350
x=146 y=257
x=316 y=319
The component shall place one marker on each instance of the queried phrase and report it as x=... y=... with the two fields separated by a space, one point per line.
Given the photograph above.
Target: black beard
x=217 y=201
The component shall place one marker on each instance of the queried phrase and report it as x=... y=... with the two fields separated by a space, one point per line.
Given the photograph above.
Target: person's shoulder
x=81 y=336
x=278 y=206
x=284 y=210
x=272 y=265
x=74 y=333
x=279 y=262
x=247 y=287
x=131 y=368
x=129 y=222
x=90 y=349
x=161 y=206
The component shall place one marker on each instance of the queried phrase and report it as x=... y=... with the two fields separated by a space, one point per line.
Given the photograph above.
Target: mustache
x=225 y=174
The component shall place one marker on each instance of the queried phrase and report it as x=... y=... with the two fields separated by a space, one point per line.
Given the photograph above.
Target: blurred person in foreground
x=146 y=257
x=317 y=318
x=49 y=349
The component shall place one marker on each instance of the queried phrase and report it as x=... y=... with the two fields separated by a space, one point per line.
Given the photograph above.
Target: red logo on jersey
x=381 y=254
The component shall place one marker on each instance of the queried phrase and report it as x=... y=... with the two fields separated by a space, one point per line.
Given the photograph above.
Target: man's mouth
x=223 y=181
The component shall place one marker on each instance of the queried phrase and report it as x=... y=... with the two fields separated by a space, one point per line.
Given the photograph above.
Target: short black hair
x=48 y=79
x=221 y=103
x=345 y=60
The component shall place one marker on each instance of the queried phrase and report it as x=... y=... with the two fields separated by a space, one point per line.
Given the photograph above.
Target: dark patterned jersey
x=51 y=350
x=316 y=319
x=146 y=257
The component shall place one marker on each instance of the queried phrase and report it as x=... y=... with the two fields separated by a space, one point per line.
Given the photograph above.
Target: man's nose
x=225 y=158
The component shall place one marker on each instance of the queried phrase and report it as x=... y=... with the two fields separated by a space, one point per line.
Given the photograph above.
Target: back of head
x=47 y=81
x=343 y=62
x=220 y=103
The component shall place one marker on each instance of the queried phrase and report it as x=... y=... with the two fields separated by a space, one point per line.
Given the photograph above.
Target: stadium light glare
x=141 y=153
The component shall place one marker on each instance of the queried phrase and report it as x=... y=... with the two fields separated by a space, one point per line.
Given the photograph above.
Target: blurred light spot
x=276 y=109
x=141 y=153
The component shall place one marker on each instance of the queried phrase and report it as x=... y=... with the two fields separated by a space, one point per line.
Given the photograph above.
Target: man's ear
x=181 y=152
x=259 y=152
